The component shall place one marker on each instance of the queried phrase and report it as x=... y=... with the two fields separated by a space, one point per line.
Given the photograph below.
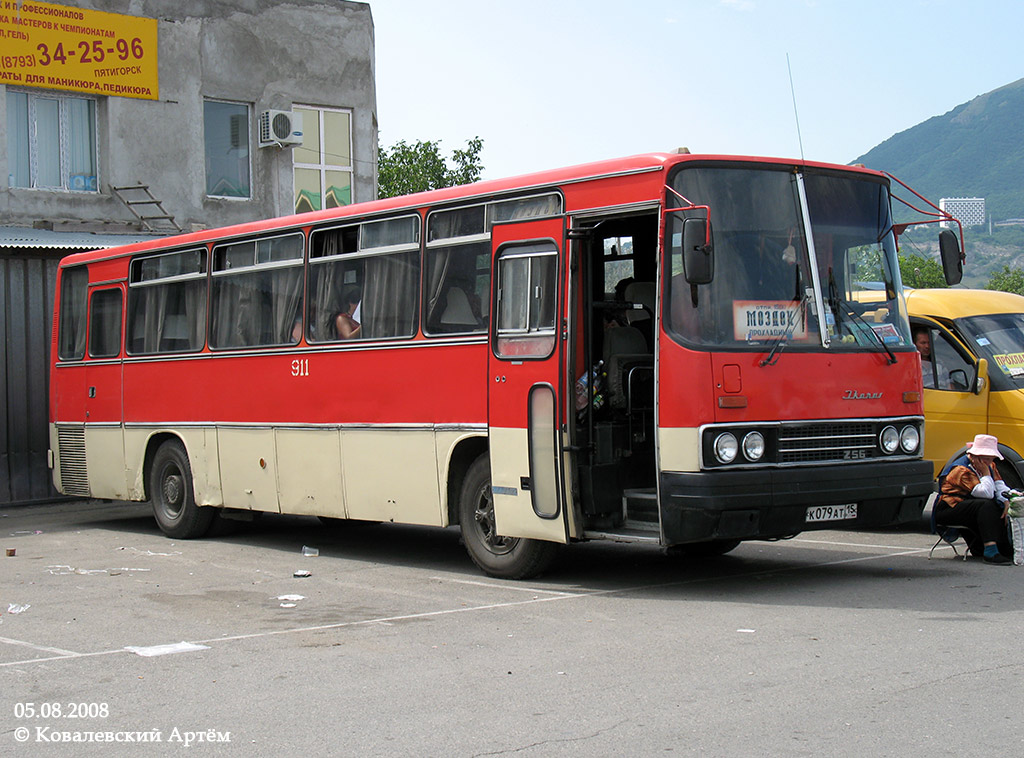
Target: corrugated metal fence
x=26 y=317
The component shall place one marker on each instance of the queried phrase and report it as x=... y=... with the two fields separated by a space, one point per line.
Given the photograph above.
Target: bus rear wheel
x=498 y=556
x=170 y=489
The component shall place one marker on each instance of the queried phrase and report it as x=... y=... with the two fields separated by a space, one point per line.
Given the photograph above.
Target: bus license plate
x=831 y=512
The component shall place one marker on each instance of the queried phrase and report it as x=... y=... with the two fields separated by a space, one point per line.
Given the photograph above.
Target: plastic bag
x=1015 y=526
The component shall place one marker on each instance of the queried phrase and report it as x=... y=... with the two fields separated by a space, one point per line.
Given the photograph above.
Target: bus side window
x=257 y=290
x=456 y=276
x=71 y=329
x=344 y=261
x=105 y=323
x=526 y=301
x=167 y=303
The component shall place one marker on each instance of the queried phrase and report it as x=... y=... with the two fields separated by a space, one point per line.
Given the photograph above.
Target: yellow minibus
x=972 y=358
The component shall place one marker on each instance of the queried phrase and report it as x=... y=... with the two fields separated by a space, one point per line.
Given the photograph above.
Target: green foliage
x=920 y=271
x=403 y=168
x=1009 y=279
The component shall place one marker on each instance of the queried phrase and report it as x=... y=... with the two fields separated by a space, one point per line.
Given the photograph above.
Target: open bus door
x=526 y=381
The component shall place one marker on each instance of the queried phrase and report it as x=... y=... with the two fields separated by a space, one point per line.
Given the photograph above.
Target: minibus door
x=955 y=402
x=526 y=381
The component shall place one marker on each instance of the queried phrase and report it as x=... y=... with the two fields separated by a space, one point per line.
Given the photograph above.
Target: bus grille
x=827 y=442
x=74 y=476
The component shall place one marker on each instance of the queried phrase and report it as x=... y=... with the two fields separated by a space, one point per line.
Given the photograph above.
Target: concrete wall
x=270 y=55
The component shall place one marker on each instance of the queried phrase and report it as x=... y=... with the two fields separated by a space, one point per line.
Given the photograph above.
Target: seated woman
x=345 y=323
x=974 y=497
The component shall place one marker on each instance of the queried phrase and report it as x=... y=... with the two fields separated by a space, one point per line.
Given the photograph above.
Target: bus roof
x=539 y=180
x=955 y=303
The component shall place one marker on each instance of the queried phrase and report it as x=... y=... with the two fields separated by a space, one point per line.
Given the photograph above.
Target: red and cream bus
x=667 y=348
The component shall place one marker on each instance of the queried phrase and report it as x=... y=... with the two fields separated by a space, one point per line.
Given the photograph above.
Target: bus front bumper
x=769 y=503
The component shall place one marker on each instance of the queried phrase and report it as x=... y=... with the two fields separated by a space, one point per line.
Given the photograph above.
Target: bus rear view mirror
x=949 y=251
x=698 y=251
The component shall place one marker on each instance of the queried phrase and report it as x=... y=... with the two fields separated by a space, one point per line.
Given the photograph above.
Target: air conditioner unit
x=280 y=128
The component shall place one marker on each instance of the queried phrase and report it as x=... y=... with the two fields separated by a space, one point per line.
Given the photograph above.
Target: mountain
x=975 y=150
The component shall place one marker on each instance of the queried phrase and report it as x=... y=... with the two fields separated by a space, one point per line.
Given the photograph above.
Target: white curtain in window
x=81 y=139
x=47 y=143
x=17 y=139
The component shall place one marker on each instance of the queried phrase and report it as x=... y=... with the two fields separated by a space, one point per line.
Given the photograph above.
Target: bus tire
x=501 y=557
x=170 y=490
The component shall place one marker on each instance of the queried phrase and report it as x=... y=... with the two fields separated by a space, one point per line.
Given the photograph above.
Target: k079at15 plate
x=831 y=512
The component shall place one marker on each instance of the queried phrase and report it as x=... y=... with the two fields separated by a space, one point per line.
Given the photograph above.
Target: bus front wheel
x=502 y=557
x=170 y=490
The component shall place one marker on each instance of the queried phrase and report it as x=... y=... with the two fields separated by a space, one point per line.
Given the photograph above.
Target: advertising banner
x=60 y=47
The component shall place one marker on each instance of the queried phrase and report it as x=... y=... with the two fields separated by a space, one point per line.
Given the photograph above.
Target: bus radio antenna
x=796 y=113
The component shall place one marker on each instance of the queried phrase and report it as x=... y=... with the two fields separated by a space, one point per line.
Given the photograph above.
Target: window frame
x=72 y=324
x=137 y=283
x=249 y=145
x=219 y=273
x=363 y=251
x=526 y=340
x=323 y=167
x=491 y=215
x=111 y=329
x=64 y=137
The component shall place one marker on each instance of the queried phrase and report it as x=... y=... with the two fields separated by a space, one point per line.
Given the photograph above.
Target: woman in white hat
x=974 y=496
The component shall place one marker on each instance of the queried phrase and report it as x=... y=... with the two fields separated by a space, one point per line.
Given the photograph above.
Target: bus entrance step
x=641 y=505
x=626 y=534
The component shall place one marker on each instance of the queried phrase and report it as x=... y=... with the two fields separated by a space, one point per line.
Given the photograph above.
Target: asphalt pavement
x=115 y=639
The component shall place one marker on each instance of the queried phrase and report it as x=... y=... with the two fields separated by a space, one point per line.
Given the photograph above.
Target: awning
x=23 y=236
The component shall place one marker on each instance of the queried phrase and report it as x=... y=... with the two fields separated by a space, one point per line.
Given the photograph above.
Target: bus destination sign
x=77 y=49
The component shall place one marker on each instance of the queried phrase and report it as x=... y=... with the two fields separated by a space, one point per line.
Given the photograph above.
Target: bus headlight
x=753 y=446
x=889 y=439
x=726 y=447
x=910 y=439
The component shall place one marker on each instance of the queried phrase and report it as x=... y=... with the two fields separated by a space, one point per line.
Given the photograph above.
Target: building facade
x=127 y=118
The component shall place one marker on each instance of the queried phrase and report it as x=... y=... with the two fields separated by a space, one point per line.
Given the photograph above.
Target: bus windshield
x=841 y=291
x=1000 y=339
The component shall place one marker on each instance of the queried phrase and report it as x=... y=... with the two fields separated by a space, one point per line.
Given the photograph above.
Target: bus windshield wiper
x=782 y=339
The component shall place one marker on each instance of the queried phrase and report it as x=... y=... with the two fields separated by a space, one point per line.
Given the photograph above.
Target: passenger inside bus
x=345 y=322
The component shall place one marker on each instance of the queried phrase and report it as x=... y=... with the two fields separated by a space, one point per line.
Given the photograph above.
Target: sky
x=550 y=83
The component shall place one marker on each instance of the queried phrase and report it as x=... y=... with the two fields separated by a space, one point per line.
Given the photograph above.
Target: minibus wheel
x=502 y=557
x=1009 y=473
x=170 y=490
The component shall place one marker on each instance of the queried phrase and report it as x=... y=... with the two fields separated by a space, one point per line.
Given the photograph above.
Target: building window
x=323 y=162
x=51 y=142
x=227 y=149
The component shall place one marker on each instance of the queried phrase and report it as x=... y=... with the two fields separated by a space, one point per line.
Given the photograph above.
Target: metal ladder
x=138 y=196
